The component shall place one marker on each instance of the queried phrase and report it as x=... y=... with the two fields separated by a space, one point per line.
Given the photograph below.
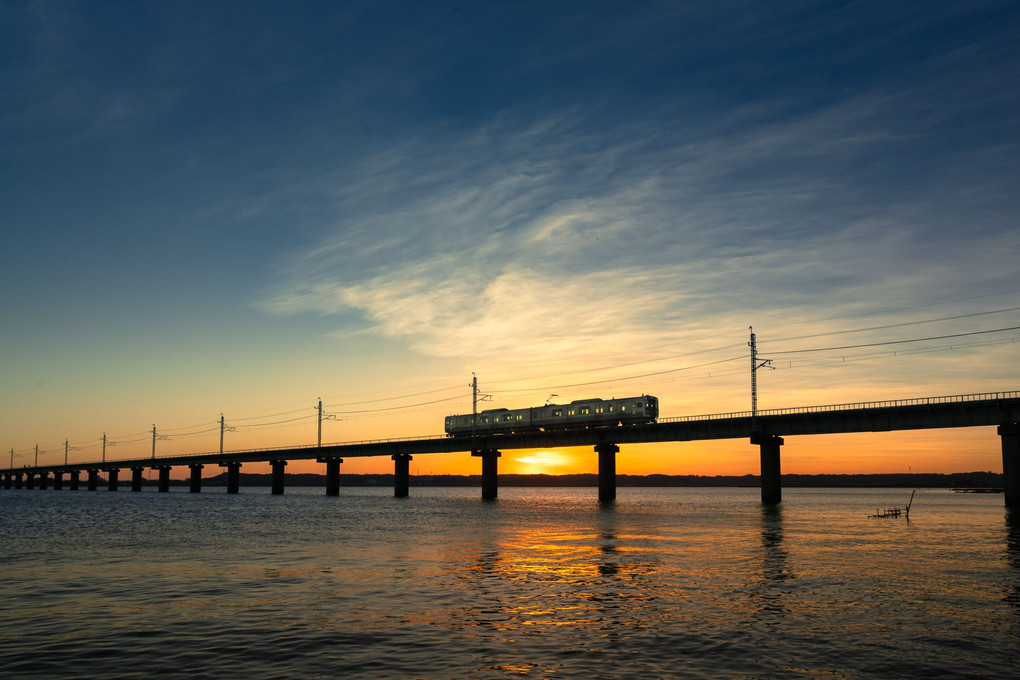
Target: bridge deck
x=974 y=410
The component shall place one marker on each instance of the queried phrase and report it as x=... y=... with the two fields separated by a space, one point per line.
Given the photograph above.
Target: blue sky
x=243 y=206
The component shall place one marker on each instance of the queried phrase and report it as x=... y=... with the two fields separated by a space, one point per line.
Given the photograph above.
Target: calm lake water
x=667 y=583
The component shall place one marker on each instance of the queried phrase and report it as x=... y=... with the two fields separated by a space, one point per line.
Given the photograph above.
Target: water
x=541 y=584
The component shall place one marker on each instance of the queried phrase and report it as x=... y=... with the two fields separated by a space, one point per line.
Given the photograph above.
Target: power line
x=897 y=325
x=397 y=408
x=626 y=378
x=897 y=342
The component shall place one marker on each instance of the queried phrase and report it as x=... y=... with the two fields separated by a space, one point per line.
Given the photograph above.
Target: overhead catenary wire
x=896 y=325
x=895 y=342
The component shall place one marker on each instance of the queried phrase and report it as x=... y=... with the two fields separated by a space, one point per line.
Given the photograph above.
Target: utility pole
x=65 y=452
x=222 y=426
x=12 y=459
x=154 y=441
x=36 y=455
x=474 y=408
x=319 y=438
x=104 y=447
x=755 y=365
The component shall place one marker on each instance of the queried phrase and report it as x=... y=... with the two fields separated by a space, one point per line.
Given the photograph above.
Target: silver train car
x=575 y=415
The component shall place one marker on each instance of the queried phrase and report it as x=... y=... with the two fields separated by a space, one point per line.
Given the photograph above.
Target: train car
x=582 y=413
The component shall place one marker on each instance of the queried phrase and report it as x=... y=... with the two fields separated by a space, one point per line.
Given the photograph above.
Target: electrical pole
x=65 y=452
x=104 y=447
x=474 y=407
x=36 y=455
x=154 y=441
x=319 y=438
x=222 y=426
x=754 y=378
x=12 y=459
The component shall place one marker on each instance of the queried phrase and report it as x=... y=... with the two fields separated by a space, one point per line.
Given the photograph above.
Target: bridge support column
x=278 y=466
x=136 y=478
x=196 y=477
x=607 y=471
x=233 y=476
x=44 y=480
x=771 y=484
x=332 y=474
x=74 y=479
x=1010 y=435
x=58 y=480
x=111 y=484
x=490 y=472
x=7 y=480
x=18 y=480
x=164 y=478
x=93 y=480
x=30 y=480
x=401 y=474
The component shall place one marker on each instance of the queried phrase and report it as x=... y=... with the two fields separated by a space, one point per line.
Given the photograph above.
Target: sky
x=241 y=208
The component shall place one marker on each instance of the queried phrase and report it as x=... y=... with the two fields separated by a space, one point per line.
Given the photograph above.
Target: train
x=583 y=413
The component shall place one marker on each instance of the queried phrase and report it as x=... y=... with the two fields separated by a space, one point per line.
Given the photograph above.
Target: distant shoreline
x=957 y=480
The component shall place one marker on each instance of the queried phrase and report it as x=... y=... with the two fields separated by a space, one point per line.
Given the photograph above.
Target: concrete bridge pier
x=74 y=479
x=1010 y=435
x=401 y=474
x=490 y=472
x=196 y=477
x=111 y=484
x=18 y=480
x=44 y=480
x=8 y=478
x=58 y=480
x=332 y=474
x=30 y=480
x=93 y=479
x=233 y=476
x=164 y=478
x=771 y=484
x=607 y=471
x=278 y=466
x=136 y=478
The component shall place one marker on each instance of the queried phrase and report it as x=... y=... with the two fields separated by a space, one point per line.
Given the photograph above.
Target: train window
x=485 y=419
x=585 y=410
x=570 y=412
x=557 y=413
x=637 y=404
x=598 y=409
x=623 y=407
x=520 y=416
x=610 y=408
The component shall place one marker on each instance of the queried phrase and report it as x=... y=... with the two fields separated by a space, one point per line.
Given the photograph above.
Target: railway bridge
x=766 y=430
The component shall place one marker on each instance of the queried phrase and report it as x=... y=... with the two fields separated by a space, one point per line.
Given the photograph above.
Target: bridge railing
x=852 y=406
